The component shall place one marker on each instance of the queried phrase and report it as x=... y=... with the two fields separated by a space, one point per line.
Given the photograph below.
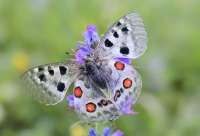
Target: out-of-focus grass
x=35 y=32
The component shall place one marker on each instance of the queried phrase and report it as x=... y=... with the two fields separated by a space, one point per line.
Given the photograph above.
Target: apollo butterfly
x=105 y=84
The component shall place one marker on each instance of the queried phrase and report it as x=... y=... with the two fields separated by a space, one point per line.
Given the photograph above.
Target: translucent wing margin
x=127 y=38
x=49 y=83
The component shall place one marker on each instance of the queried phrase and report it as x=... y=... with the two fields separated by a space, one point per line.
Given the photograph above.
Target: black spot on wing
x=124 y=29
x=62 y=70
x=118 y=24
x=108 y=43
x=118 y=93
x=104 y=102
x=121 y=90
x=42 y=77
x=60 y=87
x=115 y=34
x=40 y=69
x=51 y=72
x=99 y=104
x=124 y=50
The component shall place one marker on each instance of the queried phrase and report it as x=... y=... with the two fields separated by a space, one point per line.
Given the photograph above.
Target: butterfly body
x=105 y=84
x=93 y=71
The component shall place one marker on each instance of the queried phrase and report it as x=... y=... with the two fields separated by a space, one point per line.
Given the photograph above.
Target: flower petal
x=83 y=49
x=117 y=133
x=92 y=132
x=106 y=131
x=125 y=60
x=90 y=36
x=70 y=98
x=91 y=28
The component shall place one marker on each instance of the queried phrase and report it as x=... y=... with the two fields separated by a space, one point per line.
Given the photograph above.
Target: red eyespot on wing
x=119 y=65
x=117 y=95
x=90 y=107
x=115 y=98
x=78 y=92
x=104 y=102
x=127 y=83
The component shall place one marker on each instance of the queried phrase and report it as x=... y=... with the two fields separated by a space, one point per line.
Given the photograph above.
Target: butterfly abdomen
x=93 y=72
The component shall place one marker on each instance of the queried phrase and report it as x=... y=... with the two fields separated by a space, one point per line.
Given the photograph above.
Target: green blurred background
x=35 y=32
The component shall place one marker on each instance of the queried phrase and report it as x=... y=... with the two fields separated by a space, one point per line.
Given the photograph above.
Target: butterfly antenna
x=81 y=42
x=82 y=33
x=72 y=54
x=109 y=25
x=69 y=53
x=134 y=66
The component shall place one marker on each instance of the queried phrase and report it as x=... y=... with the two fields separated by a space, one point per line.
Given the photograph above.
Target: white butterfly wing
x=49 y=83
x=127 y=38
x=128 y=84
x=91 y=107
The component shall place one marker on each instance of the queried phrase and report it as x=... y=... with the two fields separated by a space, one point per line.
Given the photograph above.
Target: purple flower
x=127 y=107
x=117 y=133
x=90 y=36
x=83 y=49
x=70 y=98
x=81 y=53
x=106 y=132
x=128 y=111
x=79 y=56
x=92 y=132
x=125 y=60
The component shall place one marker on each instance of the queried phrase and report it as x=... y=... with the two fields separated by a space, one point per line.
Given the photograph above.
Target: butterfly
x=105 y=84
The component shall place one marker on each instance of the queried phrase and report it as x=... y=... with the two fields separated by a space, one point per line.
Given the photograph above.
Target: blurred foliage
x=35 y=32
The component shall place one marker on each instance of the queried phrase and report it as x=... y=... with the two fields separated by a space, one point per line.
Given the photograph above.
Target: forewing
x=89 y=106
x=49 y=83
x=127 y=38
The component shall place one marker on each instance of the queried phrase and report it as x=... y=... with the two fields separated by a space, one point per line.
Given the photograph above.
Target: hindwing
x=126 y=83
x=90 y=106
